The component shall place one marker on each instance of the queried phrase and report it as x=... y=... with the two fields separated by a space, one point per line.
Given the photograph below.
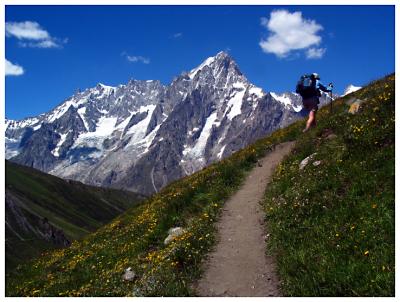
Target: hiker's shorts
x=311 y=104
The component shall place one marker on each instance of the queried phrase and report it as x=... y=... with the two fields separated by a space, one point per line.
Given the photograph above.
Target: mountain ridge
x=142 y=135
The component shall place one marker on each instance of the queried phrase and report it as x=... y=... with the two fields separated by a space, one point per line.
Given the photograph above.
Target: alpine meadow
x=199 y=150
x=331 y=237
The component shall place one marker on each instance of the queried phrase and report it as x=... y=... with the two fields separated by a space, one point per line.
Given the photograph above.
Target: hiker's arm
x=323 y=88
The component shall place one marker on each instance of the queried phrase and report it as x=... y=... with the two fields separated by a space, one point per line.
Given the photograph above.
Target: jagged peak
x=223 y=55
x=205 y=63
x=134 y=82
x=214 y=62
x=102 y=86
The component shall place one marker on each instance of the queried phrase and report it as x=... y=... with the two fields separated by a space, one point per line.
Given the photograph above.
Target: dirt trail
x=238 y=266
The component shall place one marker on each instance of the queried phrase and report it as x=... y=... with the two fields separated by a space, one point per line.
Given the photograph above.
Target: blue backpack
x=306 y=86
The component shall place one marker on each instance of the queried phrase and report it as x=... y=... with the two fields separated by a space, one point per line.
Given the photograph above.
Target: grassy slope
x=75 y=208
x=94 y=265
x=332 y=226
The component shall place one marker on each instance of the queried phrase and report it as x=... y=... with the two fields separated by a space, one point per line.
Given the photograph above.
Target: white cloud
x=138 y=59
x=135 y=59
x=315 y=53
x=177 y=35
x=289 y=32
x=41 y=44
x=26 y=30
x=13 y=69
x=31 y=31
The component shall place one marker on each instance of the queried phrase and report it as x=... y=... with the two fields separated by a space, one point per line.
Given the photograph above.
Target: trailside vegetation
x=332 y=223
x=95 y=265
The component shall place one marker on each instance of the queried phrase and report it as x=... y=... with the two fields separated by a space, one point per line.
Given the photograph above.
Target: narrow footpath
x=239 y=266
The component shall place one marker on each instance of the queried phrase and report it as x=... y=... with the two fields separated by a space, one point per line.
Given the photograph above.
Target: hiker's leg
x=314 y=122
x=310 y=121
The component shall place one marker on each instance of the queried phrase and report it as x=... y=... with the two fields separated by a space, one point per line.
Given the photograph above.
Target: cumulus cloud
x=135 y=59
x=315 y=53
x=31 y=34
x=290 y=32
x=13 y=69
x=26 y=30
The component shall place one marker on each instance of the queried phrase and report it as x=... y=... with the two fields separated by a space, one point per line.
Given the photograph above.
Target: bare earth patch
x=239 y=266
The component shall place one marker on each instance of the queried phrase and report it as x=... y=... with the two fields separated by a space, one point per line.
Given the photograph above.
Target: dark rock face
x=34 y=227
x=36 y=152
x=52 y=234
x=143 y=135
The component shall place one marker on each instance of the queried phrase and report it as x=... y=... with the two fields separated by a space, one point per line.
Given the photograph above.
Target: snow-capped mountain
x=143 y=135
x=351 y=88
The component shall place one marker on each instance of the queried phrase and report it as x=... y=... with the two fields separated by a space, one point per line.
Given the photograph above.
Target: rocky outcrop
x=26 y=226
x=173 y=233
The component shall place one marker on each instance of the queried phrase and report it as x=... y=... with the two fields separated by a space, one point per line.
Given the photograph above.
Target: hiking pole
x=331 y=103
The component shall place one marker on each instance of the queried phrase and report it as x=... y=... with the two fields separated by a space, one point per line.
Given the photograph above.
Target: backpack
x=306 y=86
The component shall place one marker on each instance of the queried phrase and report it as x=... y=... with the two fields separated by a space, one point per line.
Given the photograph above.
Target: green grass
x=94 y=265
x=74 y=208
x=332 y=226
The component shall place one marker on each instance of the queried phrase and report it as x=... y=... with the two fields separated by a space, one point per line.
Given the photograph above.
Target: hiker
x=309 y=88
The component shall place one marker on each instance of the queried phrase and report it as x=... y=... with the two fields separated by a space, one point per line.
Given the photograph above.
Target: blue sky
x=51 y=51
